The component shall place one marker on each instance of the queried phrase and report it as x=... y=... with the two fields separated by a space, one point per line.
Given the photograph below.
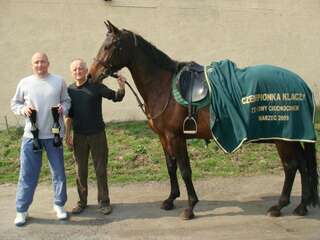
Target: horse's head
x=113 y=54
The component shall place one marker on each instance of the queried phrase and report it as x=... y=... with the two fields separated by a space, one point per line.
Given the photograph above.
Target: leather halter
x=108 y=71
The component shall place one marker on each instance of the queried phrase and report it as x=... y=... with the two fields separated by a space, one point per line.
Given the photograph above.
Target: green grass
x=135 y=155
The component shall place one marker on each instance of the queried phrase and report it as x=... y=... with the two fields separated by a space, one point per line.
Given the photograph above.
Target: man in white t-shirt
x=40 y=92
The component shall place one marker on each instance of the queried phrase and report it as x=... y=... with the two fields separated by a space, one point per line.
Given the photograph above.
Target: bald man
x=40 y=92
x=89 y=137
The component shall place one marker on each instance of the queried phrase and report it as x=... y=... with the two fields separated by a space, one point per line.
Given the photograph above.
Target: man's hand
x=60 y=109
x=68 y=132
x=69 y=141
x=121 y=80
x=27 y=110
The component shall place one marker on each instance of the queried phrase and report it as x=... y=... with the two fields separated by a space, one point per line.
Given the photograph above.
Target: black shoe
x=78 y=209
x=105 y=208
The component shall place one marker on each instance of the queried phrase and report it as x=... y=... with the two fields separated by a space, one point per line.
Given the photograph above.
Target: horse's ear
x=107 y=26
x=111 y=27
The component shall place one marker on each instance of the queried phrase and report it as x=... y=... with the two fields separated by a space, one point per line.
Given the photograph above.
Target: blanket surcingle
x=258 y=103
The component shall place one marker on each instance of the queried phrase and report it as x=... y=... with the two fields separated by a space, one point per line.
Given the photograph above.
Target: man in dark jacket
x=86 y=121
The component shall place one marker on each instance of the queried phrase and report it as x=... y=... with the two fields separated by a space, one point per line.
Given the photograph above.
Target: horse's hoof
x=274 y=211
x=300 y=211
x=187 y=214
x=167 y=205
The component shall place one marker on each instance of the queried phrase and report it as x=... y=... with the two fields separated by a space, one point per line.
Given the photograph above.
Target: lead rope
x=140 y=104
x=143 y=106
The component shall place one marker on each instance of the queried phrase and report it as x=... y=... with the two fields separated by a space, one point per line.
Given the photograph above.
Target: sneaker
x=61 y=213
x=78 y=209
x=105 y=209
x=21 y=219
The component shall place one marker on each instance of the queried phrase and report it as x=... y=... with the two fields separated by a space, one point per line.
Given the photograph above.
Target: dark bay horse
x=152 y=72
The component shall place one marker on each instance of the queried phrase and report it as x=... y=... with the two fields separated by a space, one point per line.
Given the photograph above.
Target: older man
x=40 y=92
x=89 y=136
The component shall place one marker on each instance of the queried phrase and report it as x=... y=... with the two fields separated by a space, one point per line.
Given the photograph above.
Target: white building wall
x=249 y=32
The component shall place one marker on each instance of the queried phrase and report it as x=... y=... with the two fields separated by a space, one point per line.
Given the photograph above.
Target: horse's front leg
x=177 y=148
x=172 y=171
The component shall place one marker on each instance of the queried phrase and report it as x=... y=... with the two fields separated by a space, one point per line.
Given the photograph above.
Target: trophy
x=34 y=130
x=56 y=127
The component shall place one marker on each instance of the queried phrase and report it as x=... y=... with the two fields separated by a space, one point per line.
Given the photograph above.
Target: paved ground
x=230 y=208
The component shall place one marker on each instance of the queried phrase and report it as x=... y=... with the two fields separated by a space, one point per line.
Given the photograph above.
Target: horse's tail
x=310 y=153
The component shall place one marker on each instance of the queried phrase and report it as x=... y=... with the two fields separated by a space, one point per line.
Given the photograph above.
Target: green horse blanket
x=258 y=103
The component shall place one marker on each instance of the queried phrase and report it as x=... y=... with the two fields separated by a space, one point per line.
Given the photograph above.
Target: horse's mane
x=157 y=56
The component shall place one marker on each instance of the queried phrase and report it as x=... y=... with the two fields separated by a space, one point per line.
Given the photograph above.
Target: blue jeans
x=30 y=165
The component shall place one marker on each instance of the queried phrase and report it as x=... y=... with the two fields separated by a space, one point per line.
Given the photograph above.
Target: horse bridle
x=109 y=72
x=107 y=69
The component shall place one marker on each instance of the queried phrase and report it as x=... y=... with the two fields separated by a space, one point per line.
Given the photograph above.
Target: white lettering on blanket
x=276 y=108
x=273 y=97
x=273 y=118
x=283 y=105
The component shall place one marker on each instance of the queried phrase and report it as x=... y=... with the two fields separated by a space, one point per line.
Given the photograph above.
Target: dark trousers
x=97 y=145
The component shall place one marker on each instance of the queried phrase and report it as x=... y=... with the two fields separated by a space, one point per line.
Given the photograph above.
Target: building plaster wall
x=284 y=33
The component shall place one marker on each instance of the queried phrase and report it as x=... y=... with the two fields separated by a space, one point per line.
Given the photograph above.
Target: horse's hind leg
x=302 y=210
x=309 y=179
x=172 y=171
x=287 y=151
x=177 y=148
